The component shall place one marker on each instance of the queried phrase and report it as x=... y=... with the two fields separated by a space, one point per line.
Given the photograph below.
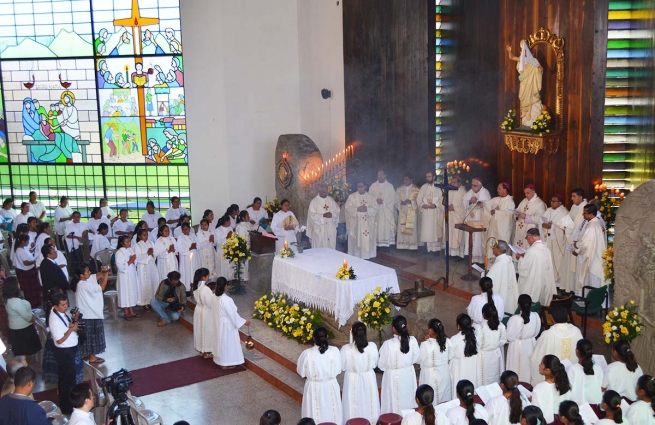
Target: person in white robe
x=37 y=208
x=222 y=233
x=386 y=214
x=166 y=253
x=207 y=247
x=23 y=215
x=572 y=228
x=500 y=408
x=186 y=247
x=178 y=230
x=44 y=231
x=203 y=315
x=94 y=222
x=101 y=242
x=559 y=340
x=123 y=226
x=431 y=214
x=63 y=214
x=425 y=401
x=553 y=389
x=536 y=277
x=586 y=377
x=397 y=358
x=589 y=250
x=473 y=204
x=258 y=215
x=503 y=275
x=321 y=365
x=456 y=214
x=491 y=337
x=464 y=357
x=151 y=216
x=361 y=210
x=554 y=235
x=458 y=415
x=498 y=216
x=127 y=284
x=522 y=331
x=174 y=213
x=227 y=345
x=434 y=355
x=642 y=411
x=474 y=309
x=407 y=206
x=146 y=267
x=359 y=358
x=284 y=226
x=243 y=229
x=623 y=374
x=154 y=233
x=323 y=219
x=528 y=215
x=232 y=213
x=107 y=211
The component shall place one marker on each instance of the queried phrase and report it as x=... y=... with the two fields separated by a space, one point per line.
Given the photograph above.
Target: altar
x=310 y=278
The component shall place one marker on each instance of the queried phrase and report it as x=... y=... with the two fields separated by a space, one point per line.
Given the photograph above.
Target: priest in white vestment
x=430 y=213
x=456 y=213
x=284 y=226
x=536 y=277
x=589 y=250
x=554 y=235
x=323 y=219
x=503 y=275
x=386 y=214
x=572 y=227
x=473 y=204
x=361 y=210
x=407 y=206
x=528 y=215
x=498 y=216
x=227 y=321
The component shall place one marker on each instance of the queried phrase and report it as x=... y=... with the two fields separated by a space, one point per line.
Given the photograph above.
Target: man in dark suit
x=53 y=278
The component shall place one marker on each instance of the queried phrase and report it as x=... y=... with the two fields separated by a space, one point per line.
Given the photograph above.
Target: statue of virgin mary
x=530 y=80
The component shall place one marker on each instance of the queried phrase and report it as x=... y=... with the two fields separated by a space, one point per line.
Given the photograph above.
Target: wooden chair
x=565 y=301
x=43 y=332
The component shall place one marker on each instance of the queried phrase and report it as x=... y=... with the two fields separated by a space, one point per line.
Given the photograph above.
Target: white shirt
x=77 y=229
x=174 y=214
x=151 y=219
x=107 y=211
x=80 y=417
x=37 y=209
x=59 y=327
x=22 y=255
x=256 y=216
x=89 y=298
x=123 y=226
x=60 y=226
x=22 y=219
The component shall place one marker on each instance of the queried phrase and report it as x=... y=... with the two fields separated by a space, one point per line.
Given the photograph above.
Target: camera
x=80 y=324
x=118 y=383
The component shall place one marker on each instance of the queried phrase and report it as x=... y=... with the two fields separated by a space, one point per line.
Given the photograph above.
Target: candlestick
x=286 y=245
x=345 y=264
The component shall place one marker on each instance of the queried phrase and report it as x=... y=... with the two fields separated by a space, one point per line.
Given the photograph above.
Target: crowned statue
x=530 y=80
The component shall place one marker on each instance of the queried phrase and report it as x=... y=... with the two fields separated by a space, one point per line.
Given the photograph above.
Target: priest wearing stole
x=497 y=216
x=323 y=219
x=361 y=209
x=473 y=204
x=589 y=251
x=572 y=227
x=385 y=198
x=503 y=275
x=406 y=203
x=553 y=235
x=528 y=215
x=536 y=277
x=456 y=213
x=430 y=214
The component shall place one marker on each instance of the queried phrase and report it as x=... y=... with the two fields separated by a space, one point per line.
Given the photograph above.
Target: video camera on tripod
x=117 y=385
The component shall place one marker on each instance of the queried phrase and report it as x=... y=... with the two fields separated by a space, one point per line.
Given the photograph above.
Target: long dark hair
x=121 y=240
x=221 y=220
x=79 y=271
x=242 y=216
x=138 y=228
x=160 y=230
x=569 y=409
x=625 y=354
x=140 y=232
x=20 y=239
x=465 y=390
x=11 y=289
x=647 y=384
x=321 y=338
x=399 y=323
x=470 y=343
x=612 y=401
x=359 y=336
x=490 y=313
x=270 y=417
x=221 y=283
x=437 y=327
x=425 y=397
x=559 y=372
x=487 y=286
x=510 y=381
x=41 y=227
x=199 y=274
x=586 y=350
x=232 y=208
x=525 y=304
x=533 y=415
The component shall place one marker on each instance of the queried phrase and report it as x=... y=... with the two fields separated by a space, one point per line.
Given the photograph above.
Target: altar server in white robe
x=430 y=214
x=554 y=235
x=623 y=374
x=456 y=214
x=473 y=204
x=464 y=358
x=522 y=331
x=386 y=214
x=434 y=355
x=227 y=345
x=174 y=213
x=536 y=277
x=425 y=414
x=123 y=226
x=151 y=216
x=468 y=410
x=642 y=411
x=63 y=214
x=397 y=358
x=320 y=365
x=586 y=377
x=506 y=408
x=572 y=227
x=203 y=315
x=146 y=267
x=503 y=275
x=360 y=386
x=222 y=233
x=590 y=249
x=206 y=247
x=166 y=253
x=554 y=388
x=491 y=337
x=154 y=233
x=559 y=340
x=487 y=296
x=258 y=215
x=528 y=215
x=243 y=229
x=101 y=241
x=498 y=216
x=407 y=206
x=323 y=219
x=284 y=226
x=94 y=222
x=127 y=284
x=361 y=210
x=187 y=248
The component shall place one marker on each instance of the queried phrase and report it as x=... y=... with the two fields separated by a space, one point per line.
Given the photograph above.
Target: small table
x=470 y=229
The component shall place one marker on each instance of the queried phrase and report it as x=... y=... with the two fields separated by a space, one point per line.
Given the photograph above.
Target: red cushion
x=526 y=385
x=358 y=421
x=390 y=419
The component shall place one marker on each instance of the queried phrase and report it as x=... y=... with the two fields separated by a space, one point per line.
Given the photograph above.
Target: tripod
x=120 y=408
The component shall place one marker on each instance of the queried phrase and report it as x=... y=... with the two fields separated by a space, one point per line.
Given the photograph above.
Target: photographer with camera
x=170 y=299
x=63 y=329
x=88 y=294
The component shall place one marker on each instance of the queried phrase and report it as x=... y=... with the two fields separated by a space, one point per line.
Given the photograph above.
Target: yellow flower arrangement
x=608 y=262
x=294 y=320
x=346 y=273
x=509 y=122
x=375 y=310
x=622 y=323
x=541 y=124
x=339 y=190
x=236 y=251
x=610 y=201
x=287 y=253
x=272 y=207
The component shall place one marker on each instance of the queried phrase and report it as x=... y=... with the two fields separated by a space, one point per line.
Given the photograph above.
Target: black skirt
x=24 y=342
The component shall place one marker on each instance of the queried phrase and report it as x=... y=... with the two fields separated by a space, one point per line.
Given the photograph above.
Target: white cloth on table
x=310 y=277
x=146 y=269
x=321 y=230
x=188 y=258
x=89 y=298
x=473 y=212
x=277 y=226
x=503 y=275
x=499 y=410
x=490 y=351
x=127 y=284
x=618 y=378
x=457 y=415
x=360 y=225
x=227 y=345
x=360 y=386
x=474 y=308
x=386 y=213
x=223 y=266
x=434 y=369
x=522 y=338
x=166 y=261
x=536 y=276
x=203 y=319
x=321 y=399
x=585 y=388
x=559 y=340
x=546 y=397
x=399 y=378
x=462 y=367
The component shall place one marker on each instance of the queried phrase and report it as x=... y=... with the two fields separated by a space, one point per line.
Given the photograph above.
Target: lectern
x=262 y=244
x=470 y=229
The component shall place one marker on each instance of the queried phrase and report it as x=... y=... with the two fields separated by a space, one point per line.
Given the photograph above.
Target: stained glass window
x=444 y=43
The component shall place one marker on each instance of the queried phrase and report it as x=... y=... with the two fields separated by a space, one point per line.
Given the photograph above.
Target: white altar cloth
x=310 y=278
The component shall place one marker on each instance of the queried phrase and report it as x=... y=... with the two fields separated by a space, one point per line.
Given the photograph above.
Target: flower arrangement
x=610 y=201
x=272 y=207
x=541 y=124
x=374 y=309
x=608 y=262
x=345 y=272
x=294 y=320
x=287 y=253
x=236 y=251
x=459 y=168
x=509 y=122
x=622 y=323
x=339 y=191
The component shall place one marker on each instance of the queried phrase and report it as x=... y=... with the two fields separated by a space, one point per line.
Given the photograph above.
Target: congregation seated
x=18 y=407
x=170 y=299
x=12 y=367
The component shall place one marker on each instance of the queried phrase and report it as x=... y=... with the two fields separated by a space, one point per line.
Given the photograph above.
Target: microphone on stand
x=473 y=209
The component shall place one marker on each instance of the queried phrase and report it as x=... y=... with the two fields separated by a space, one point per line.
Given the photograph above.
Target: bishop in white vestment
x=407 y=206
x=361 y=209
x=498 y=216
x=536 y=277
x=554 y=235
x=456 y=213
x=503 y=275
x=590 y=249
x=473 y=204
x=572 y=227
x=528 y=215
x=386 y=214
x=323 y=219
x=430 y=212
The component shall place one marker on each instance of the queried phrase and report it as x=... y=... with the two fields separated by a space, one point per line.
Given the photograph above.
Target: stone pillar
x=634 y=265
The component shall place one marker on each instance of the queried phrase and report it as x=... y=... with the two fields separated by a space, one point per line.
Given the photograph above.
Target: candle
x=286 y=245
x=345 y=264
x=632 y=188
